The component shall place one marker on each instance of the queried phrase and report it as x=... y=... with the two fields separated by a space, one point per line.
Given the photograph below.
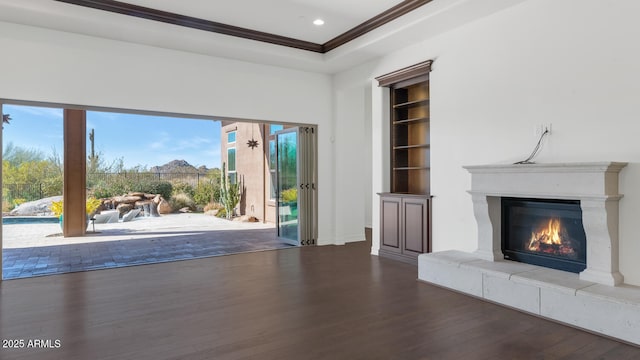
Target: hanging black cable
x=535 y=151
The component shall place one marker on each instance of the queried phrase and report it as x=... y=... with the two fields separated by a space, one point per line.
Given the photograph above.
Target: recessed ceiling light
x=318 y=22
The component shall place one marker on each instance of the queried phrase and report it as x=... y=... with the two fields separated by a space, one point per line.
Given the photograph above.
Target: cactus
x=229 y=193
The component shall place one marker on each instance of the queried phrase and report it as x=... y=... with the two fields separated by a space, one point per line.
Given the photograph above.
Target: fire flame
x=548 y=234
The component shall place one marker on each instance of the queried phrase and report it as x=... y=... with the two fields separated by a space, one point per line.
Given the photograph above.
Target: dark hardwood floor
x=331 y=302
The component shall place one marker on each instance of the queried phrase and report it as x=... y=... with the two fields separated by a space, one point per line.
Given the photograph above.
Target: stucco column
x=380 y=154
x=486 y=210
x=600 y=219
x=75 y=163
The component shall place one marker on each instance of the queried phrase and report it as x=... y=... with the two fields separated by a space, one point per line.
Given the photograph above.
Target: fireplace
x=594 y=185
x=544 y=232
x=596 y=299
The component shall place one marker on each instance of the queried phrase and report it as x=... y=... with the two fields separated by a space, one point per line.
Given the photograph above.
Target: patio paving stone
x=171 y=238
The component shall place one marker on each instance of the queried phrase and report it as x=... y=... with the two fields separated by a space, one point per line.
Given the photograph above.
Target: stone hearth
x=596 y=299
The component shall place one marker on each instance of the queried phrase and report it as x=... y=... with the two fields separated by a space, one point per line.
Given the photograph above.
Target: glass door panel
x=287 y=165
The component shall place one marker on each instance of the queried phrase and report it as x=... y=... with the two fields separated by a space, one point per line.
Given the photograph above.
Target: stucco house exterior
x=254 y=166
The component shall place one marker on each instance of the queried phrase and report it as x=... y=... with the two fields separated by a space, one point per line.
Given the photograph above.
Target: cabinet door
x=390 y=211
x=415 y=217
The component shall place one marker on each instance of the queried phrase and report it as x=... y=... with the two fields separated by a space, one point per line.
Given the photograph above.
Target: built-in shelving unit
x=410 y=144
x=405 y=211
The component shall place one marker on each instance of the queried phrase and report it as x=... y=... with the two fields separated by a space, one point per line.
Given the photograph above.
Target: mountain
x=178 y=166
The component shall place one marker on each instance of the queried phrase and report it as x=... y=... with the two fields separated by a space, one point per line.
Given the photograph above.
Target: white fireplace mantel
x=594 y=184
x=596 y=299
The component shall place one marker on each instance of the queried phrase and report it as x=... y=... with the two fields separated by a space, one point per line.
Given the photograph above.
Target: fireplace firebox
x=544 y=232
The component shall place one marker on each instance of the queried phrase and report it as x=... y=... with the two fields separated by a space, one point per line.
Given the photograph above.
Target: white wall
x=572 y=63
x=349 y=164
x=57 y=67
x=352 y=153
x=352 y=99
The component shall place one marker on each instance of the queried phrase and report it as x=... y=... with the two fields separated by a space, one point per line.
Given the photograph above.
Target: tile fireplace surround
x=596 y=299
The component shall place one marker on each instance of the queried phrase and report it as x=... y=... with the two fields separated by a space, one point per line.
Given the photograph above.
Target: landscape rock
x=40 y=207
x=213 y=212
x=127 y=199
x=246 y=218
x=164 y=207
x=142 y=203
x=185 y=210
x=124 y=208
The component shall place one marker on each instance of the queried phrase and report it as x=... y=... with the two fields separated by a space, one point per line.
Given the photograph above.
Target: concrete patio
x=39 y=249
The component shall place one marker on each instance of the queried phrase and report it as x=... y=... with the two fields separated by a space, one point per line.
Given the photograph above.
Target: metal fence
x=27 y=192
x=193 y=179
x=39 y=190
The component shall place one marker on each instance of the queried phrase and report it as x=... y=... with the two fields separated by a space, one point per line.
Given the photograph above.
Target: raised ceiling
x=290 y=18
x=290 y=23
x=424 y=22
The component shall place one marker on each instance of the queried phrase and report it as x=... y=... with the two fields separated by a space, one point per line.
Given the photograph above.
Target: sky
x=137 y=139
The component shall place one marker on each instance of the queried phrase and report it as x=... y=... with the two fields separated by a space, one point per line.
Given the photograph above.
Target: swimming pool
x=9 y=220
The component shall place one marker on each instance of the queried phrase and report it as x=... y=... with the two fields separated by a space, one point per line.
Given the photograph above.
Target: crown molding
x=225 y=29
x=410 y=72
x=374 y=23
x=194 y=23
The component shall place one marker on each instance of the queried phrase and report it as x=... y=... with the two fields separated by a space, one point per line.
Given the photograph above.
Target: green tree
x=17 y=155
x=28 y=175
x=30 y=180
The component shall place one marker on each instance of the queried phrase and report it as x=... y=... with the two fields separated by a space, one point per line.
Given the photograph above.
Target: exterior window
x=275 y=127
x=272 y=169
x=231 y=137
x=231 y=164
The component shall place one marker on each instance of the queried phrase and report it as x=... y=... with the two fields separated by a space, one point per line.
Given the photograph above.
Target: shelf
x=406 y=147
x=410 y=134
x=408 y=121
x=412 y=168
x=411 y=103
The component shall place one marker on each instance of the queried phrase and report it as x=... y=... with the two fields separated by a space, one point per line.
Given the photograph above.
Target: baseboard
x=399 y=257
x=345 y=239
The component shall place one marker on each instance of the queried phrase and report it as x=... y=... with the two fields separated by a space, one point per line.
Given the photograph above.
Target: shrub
x=206 y=193
x=123 y=185
x=181 y=200
x=182 y=187
x=164 y=188
x=213 y=206
x=222 y=213
x=57 y=208
x=52 y=186
x=102 y=190
x=92 y=204
x=6 y=205
x=19 y=201
x=290 y=195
